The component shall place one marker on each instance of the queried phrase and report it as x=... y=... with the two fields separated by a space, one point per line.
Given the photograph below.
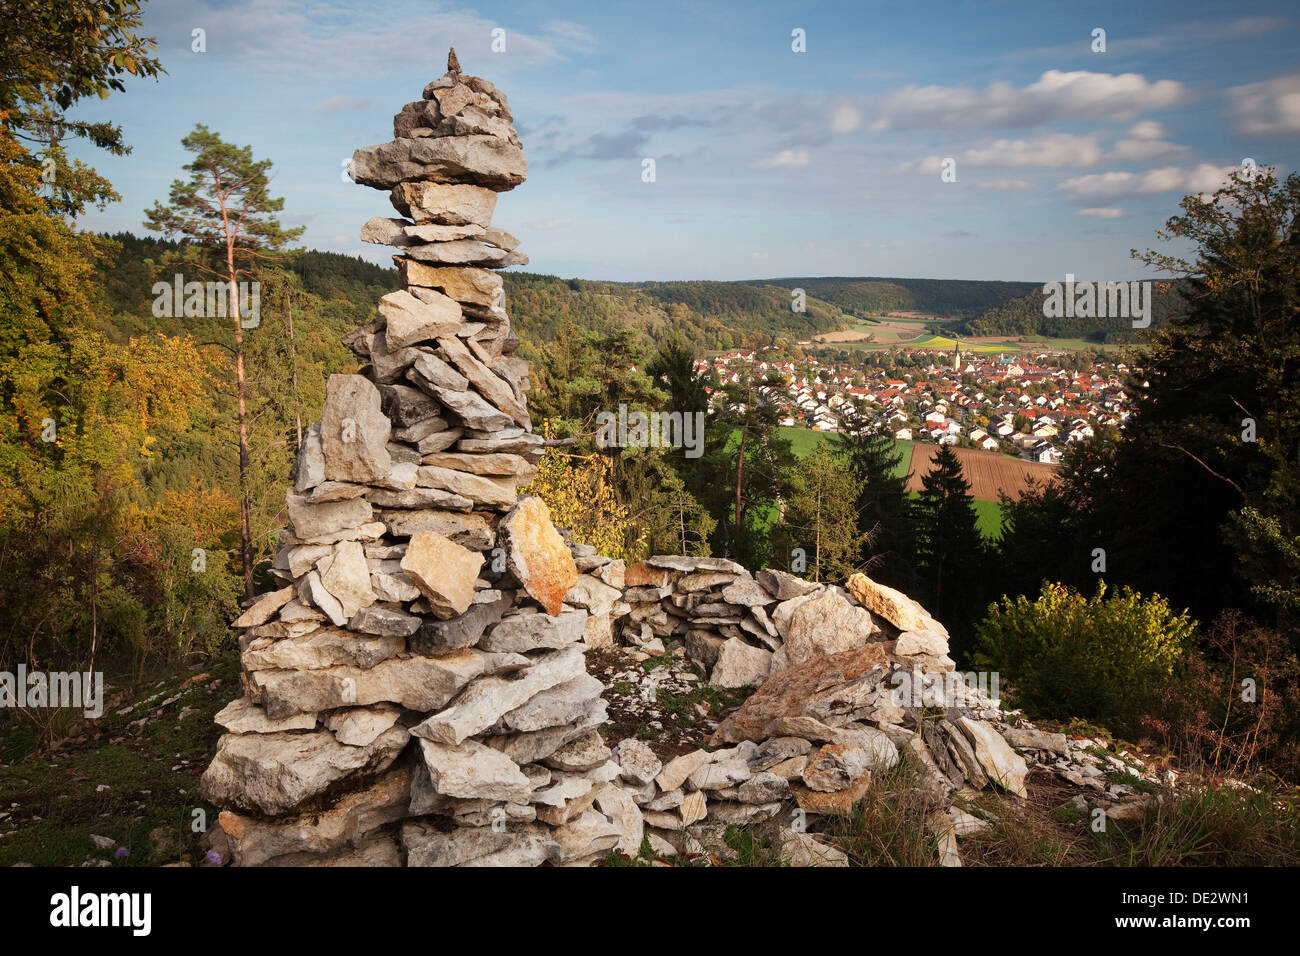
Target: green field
x=804 y=440
x=886 y=338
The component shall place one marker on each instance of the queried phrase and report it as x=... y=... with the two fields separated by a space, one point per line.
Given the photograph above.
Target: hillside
x=947 y=298
x=709 y=315
x=1024 y=316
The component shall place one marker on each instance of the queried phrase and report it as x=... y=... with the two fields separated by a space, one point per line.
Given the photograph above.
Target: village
x=1029 y=406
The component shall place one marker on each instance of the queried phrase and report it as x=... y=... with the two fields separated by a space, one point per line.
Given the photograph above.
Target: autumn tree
x=52 y=56
x=226 y=210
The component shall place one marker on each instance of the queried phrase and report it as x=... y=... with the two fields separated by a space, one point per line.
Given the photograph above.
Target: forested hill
x=949 y=298
x=1024 y=316
x=709 y=315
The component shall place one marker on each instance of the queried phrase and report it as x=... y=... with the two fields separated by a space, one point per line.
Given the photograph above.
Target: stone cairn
x=418 y=692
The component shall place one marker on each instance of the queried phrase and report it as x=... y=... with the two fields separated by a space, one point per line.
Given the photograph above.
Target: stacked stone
x=418 y=692
x=848 y=691
x=742 y=628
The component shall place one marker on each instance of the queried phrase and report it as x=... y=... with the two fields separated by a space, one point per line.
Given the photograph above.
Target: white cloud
x=929 y=166
x=550 y=223
x=845 y=119
x=1270 y=108
x=1055 y=95
x=1102 y=212
x=1054 y=149
x=566 y=31
x=1147 y=129
x=1140 y=149
x=1105 y=187
x=785 y=159
x=1004 y=185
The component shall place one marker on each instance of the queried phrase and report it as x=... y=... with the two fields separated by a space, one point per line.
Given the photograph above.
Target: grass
x=120 y=782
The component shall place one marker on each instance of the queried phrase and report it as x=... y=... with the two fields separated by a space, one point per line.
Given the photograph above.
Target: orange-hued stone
x=537 y=555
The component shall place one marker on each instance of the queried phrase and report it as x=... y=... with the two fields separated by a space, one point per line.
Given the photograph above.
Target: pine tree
x=226 y=209
x=883 y=511
x=950 y=551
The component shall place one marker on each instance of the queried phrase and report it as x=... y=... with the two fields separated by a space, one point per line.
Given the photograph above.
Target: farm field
x=988 y=472
x=804 y=440
x=896 y=331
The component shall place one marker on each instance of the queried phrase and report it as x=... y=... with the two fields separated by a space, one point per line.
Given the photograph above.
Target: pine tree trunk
x=245 y=523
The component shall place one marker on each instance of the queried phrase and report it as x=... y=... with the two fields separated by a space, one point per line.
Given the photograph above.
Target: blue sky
x=768 y=162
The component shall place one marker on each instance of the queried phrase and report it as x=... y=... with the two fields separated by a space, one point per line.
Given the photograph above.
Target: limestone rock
x=255 y=842
x=824 y=624
x=802 y=849
x=354 y=430
x=424 y=684
x=242 y=716
x=490 y=698
x=473 y=770
x=274 y=773
x=1003 y=765
x=477 y=846
x=444 y=572
x=446 y=204
x=414 y=318
x=536 y=554
x=309 y=470
x=264 y=608
x=637 y=762
x=475 y=160
x=805 y=688
x=894 y=606
x=345 y=574
x=740 y=665
x=359 y=726
x=316 y=520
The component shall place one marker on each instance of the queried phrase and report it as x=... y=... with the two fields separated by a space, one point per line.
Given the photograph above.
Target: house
x=989 y=443
x=1046 y=453
x=903 y=434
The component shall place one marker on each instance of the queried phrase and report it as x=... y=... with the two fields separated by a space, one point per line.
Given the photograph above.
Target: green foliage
x=950 y=551
x=51 y=57
x=882 y=511
x=821 y=516
x=1066 y=655
x=943 y=297
x=1024 y=316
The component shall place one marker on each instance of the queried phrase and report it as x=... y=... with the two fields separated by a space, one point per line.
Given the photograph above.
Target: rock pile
x=742 y=628
x=850 y=682
x=417 y=693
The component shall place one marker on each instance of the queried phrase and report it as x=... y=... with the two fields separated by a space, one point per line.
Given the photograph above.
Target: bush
x=1069 y=656
x=1234 y=707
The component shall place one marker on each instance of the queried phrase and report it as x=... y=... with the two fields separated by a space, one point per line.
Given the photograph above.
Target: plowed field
x=987 y=471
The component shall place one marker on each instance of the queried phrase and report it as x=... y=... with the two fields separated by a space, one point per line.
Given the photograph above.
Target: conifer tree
x=883 y=513
x=226 y=209
x=950 y=551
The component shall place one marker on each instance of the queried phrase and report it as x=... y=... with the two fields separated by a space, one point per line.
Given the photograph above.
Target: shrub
x=1234 y=707
x=1065 y=655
